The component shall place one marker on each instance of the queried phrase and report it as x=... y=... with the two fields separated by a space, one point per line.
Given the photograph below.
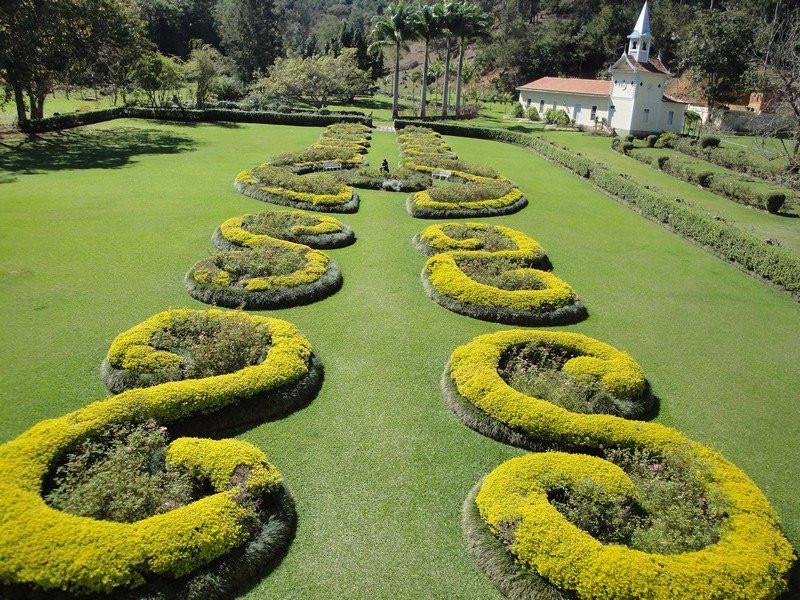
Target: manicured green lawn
x=784 y=228
x=99 y=226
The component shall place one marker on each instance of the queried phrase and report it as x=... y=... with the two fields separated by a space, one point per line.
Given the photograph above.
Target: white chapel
x=632 y=101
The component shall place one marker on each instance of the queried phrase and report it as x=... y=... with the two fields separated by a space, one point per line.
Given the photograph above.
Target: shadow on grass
x=86 y=149
x=221 y=124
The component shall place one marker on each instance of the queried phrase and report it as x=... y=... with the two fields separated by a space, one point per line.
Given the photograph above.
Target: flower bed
x=398 y=180
x=289 y=178
x=316 y=231
x=272 y=274
x=252 y=513
x=501 y=285
x=518 y=503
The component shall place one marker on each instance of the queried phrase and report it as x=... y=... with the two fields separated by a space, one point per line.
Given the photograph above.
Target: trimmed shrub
x=630 y=138
x=532 y=113
x=627 y=147
x=317 y=231
x=397 y=180
x=667 y=140
x=557 y=117
x=705 y=178
x=503 y=285
x=709 y=141
x=651 y=141
x=516 y=500
x=83 y=556
x=518 y=112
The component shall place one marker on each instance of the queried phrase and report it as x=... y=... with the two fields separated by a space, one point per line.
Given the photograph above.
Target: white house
x=632 y=101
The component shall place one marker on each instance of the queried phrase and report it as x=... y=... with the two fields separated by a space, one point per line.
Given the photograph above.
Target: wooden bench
x=332 y=166
x=442 y=174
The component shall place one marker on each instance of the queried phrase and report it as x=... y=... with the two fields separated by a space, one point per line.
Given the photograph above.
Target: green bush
x=667 y=140
x=557 y=117
x=630 y=138
x=121 y=477
x=469 y=192
x=662 y=161
x=627 y=147
x=774 y=202
x=709 y=141
x=518 y=112
x=705 y=178
x=651 y=141
x=533 y=114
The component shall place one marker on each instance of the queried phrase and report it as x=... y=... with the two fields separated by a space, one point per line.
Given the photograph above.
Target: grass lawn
x=99 y=225
x=784 y=228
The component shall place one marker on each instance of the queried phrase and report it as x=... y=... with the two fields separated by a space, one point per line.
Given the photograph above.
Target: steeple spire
x=640 y=37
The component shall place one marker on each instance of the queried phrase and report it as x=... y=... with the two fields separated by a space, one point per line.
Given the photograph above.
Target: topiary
x=773 y=202
x=533 y=114
x=651 y=141
x=627 y=147
x=709 y=141
x=630 y=137
x=667 y=139
x=704 y=178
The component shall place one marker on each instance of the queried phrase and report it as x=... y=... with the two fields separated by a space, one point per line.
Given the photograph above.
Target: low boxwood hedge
x=532 y=297
x=80 y=555
x=752 y=559
x=190 y=115
x=776 y=265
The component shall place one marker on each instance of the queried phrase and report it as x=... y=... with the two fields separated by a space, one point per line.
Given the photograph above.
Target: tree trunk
x=19 y=99
x=446 y=84
x=458 y=76
x=396 y=90
x=424 y=97
x=40 y=96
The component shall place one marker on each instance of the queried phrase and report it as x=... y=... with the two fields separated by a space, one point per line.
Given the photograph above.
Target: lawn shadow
x=87 y=149
x=222 y=124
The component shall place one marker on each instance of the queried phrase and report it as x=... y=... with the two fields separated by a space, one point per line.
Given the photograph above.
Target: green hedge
x=190 y=115
x=779 y=266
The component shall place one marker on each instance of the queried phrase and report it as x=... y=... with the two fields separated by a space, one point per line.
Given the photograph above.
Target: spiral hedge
x=316 y=231
x=530 y=295
x=289 y=178
x=262 y=271
x=210 y=547
x=553 y=558
x=483 y=194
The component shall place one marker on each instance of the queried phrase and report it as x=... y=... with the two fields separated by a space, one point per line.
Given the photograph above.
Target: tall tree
x=203 y=68
x=427 y=26
x=44 y=41
x=716 y=54
x=251 y=33
x=446 y=13
x=469 y=23
x=394 y=29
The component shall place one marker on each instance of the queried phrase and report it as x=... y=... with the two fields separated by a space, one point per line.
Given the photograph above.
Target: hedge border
x=255 y=192
x=418 y=212
x=768 y=263
x=319 y=241
x=564 y=315
x=210 y=115
x=280 y=297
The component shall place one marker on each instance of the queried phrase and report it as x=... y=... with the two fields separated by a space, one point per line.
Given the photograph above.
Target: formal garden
x=245 y=360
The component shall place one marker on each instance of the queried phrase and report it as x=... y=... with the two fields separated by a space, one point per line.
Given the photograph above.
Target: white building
x=633 y=101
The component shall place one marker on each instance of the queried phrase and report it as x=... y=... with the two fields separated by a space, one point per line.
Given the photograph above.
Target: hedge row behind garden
x=779 y=266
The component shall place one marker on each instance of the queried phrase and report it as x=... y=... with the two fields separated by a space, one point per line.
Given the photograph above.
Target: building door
x=610 y=115
x=576 y=112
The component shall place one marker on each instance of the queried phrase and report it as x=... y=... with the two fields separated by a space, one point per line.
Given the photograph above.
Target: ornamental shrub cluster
x=259 y=268
x=289 y=178
x=83 y=555
x=557 y=116
x=731 y=547
x=776 y=265
x=728 y=185
x=495 y=274
x=482 y=193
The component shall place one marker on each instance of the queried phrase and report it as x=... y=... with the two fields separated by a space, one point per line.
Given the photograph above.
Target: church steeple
x=640 y=38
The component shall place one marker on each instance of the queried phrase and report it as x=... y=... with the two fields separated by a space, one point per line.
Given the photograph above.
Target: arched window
x=633 y=45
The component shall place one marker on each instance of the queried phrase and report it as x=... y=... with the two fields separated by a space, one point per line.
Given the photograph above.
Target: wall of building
x=567 y=102
x=638 y=103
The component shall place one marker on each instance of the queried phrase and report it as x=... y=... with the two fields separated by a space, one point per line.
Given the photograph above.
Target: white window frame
x=593 y=116
x=541 y=106
x=670 y=117
x=646 y=115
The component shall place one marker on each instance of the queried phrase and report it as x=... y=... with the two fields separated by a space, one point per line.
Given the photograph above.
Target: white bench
x=332 y=166
x=442 y=174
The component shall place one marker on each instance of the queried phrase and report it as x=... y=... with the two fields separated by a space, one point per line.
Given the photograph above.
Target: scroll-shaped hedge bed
x=248 y=231
x=530 y=549
x=483 y=192
x=506 y=282
x=211 y=547
x=288 y=178
x=265 y=273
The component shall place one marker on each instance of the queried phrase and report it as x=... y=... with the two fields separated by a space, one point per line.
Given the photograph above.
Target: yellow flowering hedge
x=50 y=550
x=422 y=201
x=752 y=558
x=325 y=232
x=549 y=299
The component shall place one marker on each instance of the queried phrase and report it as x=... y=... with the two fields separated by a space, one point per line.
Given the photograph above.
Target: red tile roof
x=570 y=85
x=654 y=65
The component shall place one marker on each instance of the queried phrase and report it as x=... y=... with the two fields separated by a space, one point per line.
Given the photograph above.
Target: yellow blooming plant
x=46 y=549
x=751 y=559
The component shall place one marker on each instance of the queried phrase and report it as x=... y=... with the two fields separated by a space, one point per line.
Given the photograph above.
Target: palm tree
x=427 y=25
x=416 y=77
x=436 y=69
x=393 y=28
x=445 y=13
x=468 y=23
